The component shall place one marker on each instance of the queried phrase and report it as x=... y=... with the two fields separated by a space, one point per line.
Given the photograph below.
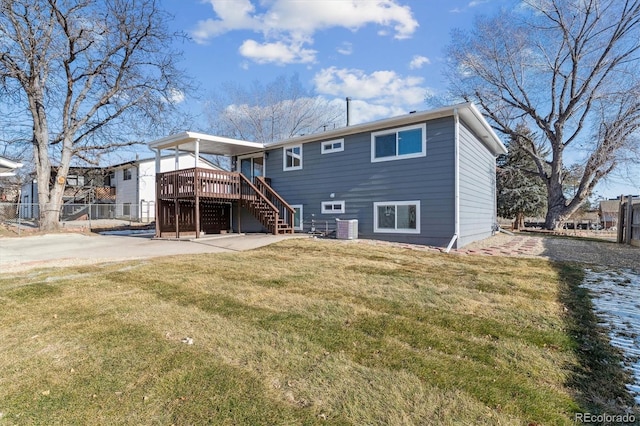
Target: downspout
x=456 y=179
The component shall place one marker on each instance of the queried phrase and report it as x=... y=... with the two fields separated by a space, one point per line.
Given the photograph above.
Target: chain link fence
x=26 y=215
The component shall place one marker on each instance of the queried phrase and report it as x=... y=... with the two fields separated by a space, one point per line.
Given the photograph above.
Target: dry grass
x=301 y=332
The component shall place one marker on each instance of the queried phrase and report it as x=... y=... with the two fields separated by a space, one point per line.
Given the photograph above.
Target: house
x=9 y=189
x=424 y=178
x=609 y=211
x=135 y=183
x=83 y=186
x=125 y=190
x=8 y=167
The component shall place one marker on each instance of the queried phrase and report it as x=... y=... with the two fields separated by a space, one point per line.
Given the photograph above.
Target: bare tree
x=90 y=76
x=280 y=110
x=569 y=71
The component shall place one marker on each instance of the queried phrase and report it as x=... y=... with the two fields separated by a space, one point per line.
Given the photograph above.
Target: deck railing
x=188 y=183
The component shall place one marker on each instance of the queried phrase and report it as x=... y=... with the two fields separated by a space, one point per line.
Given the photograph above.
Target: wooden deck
x=195 y=197
x=197 y=182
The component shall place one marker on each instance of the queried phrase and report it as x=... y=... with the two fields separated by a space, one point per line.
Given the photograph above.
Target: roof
x=7 y=167
x=153 y=159
x=613 y=206
x=468 y=112
x=209 y=144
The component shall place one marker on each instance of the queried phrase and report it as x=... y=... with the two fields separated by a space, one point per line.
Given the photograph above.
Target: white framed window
x=126 y=174
x=332 y=207
x=399 y=217
x=328 y=147
x=297 y=217
x=292 y=157
x=400 y=143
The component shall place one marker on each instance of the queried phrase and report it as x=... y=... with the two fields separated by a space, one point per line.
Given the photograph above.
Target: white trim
x=252 y=157
x=301 y=227
x=284 y=157
x=456 y=172
x=324 y=210
x=332 y=149
x=396 y=230
x=422 y=153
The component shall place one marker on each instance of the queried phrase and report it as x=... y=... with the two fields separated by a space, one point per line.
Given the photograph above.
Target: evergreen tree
x=521 y=191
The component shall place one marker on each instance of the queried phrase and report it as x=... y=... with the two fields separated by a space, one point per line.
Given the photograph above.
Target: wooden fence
x=629 y=221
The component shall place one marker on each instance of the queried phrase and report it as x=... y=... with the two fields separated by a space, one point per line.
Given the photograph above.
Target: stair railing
x=285 y=211
x=258 y=204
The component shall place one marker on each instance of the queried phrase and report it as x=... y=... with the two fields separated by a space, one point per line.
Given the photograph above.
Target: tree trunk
x=518 y=223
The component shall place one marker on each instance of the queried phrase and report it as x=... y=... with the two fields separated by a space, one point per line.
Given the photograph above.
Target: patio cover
x=200 y=143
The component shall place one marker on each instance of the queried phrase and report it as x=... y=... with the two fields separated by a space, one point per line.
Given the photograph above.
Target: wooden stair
x=266 y=206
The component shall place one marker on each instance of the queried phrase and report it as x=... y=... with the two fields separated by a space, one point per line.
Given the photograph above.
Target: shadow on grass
x=599 y=379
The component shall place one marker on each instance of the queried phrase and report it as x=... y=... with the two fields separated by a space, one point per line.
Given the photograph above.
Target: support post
x=197 y=153
x=157 y=203
x=629 y=219
x=620 y=236
x=196 y=190
x=238 y=215
x=177 y=213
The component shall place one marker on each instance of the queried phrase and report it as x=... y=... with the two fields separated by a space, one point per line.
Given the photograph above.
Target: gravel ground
x=610 y=255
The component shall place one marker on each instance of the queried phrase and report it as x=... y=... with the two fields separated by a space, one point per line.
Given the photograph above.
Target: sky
x=387 y=55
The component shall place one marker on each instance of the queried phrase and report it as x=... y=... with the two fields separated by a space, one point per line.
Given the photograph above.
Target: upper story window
x=396 y=144
x=75 y=180
x=332 y=146
x=127 y=174
x=292 y=158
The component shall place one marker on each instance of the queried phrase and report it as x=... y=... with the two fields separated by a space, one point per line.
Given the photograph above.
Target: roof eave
x=467 y=110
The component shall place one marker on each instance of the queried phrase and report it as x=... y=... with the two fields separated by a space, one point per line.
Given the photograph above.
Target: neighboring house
x=424 y=178
x=9 y=188
x=135 y=183
x=83 y=186
x=583 y=219
x=8 y=167
x=125 y=190
x=609 y=211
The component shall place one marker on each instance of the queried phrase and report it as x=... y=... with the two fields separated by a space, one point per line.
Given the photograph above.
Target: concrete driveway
x=67 y=249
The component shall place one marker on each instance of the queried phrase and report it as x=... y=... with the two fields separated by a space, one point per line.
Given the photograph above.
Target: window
x=75 y=180
x=396 y=144
x=332 y=146
x=292 y=158
x=402 y=217
x=297 y=217
x=126 y=174
x=332 y=207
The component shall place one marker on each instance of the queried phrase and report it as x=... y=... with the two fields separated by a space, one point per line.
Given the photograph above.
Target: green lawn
x=304 y=332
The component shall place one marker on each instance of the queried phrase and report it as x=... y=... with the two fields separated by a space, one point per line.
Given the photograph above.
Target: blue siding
x=353 y=178
x=477 y=188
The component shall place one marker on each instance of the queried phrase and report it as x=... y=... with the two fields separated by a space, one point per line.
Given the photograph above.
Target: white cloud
x=380 y=94
x=175 y=96
x=418 y=61
x=279 y=52
x=345 y=48
x=475 y=3
x=285 y=21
